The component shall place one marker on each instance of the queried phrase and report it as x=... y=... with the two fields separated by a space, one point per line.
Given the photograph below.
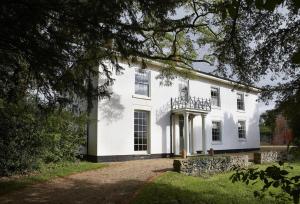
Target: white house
x=144 y=119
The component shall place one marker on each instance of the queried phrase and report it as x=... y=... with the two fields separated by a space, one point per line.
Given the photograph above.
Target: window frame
x=140 y=129
x=184 y=85
x=243 y=100
x=148 y=73
x=238 y=128
x=218 y=96
x=220 y=132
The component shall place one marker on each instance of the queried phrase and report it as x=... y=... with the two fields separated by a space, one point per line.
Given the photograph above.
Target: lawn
x=46 y=173
x=175 y=188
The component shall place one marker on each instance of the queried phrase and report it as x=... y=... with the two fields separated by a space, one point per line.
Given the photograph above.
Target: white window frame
x=137 y=131
x=219 y=98
x=142 y=96
x=245 y=130
x=243 y=99
x=184 y=84
x=220 y=132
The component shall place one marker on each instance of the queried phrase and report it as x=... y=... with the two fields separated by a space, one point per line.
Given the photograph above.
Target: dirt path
x=116 y=183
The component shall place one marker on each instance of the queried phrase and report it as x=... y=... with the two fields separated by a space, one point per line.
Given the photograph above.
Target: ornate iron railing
x=191 y=103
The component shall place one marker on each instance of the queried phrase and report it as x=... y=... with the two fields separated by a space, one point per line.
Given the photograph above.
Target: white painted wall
x=115 y=117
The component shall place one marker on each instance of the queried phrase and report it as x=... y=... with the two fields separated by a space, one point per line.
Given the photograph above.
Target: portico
x=184 y=110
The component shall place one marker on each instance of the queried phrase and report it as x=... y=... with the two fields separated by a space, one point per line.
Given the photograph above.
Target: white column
x=173 y=134
x=176 y=135
x=186 y=133
x=204 y=139
x=192 y=136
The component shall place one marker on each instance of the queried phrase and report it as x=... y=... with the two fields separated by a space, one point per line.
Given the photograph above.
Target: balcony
x=193 y=104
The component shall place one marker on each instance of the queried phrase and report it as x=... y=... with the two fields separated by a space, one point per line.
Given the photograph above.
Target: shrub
x=63 y=132
x=20 y=141
x=29 y=136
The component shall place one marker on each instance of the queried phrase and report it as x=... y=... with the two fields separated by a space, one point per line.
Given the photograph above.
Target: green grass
x=174 y=188
x=47 y=172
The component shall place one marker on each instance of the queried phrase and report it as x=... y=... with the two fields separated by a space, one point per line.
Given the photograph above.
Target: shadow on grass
x=170 y=188
x=71 y=190
x=80 y=191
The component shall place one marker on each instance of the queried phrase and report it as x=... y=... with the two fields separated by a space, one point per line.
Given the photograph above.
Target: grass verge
x=46 y=173
x=173 y=188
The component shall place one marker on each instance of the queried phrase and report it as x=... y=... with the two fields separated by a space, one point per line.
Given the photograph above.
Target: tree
x=263 y=38
x=266 y=128
x=53 y=48
x=259 y=39
x=291 y=109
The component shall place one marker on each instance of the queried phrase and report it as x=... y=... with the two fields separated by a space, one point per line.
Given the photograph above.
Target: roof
x=213 y=77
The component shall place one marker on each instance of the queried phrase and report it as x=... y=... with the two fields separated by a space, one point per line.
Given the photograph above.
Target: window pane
x=216 y=131
x=240 y=101
x=140 y=130
x=142 y=82
x=241 y=129
x=215 y=97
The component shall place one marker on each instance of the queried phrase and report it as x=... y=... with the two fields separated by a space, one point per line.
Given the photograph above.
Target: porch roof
x=190 y=104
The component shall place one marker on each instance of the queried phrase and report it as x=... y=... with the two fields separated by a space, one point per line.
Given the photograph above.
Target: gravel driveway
x=116 y=183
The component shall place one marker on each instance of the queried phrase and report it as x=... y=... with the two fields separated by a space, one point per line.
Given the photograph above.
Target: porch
x=183 y=112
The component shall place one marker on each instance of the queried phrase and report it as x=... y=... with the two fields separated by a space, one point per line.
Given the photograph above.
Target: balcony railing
x=196 y=103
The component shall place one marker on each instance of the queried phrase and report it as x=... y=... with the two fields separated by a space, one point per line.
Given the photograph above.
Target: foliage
x=268 y=118
x=46 y=173
x=267 y=125
x=260 y=40
x=63 y=133
x=29 y=136
x=21 y=143
x=273 y=176
x=54 y=48
x=291 y=109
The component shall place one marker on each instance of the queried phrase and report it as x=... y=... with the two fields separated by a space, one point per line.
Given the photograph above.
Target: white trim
x=141 y=97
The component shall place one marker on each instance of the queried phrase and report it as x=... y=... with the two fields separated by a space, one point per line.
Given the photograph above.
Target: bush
x=29 y=136
x=20 y=141
x=63 y=133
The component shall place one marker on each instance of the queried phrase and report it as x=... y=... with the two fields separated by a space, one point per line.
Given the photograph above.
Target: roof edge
x=211 y=77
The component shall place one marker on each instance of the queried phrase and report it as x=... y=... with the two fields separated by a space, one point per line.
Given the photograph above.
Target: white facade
x=111 y=128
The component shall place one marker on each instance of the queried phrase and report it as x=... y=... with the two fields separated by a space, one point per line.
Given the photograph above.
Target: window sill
x=216 y=107
x=141 y=97
x=216 y=143
x=241 y=111
x=141 y=153
x=242 y=140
